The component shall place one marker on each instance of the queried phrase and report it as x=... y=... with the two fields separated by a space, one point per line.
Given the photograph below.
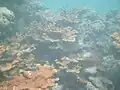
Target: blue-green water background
x=101 y=6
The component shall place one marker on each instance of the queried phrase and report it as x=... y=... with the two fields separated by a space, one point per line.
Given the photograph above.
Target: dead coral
x=36 y=80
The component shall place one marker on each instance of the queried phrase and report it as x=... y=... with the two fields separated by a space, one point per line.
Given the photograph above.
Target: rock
x=6 y=17
x=90 y=86
x=101 y=83
x=108 y=83
x=87 y=55
x=27 y=74
x=96 y=82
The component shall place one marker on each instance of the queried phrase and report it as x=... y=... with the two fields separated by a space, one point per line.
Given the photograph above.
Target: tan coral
x=2 y=50
x=116 y=37
x=37 y=80
x=8 y=66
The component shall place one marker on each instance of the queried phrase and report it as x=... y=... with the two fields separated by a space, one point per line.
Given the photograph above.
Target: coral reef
x=77 y=42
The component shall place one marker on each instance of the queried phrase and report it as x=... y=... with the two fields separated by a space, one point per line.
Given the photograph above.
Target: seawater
x=101 y=6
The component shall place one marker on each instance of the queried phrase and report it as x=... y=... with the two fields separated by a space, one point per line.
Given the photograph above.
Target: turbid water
x=82 y=45
x=101 y=6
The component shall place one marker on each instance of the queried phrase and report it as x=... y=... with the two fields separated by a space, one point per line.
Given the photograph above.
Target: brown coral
x=37 y=80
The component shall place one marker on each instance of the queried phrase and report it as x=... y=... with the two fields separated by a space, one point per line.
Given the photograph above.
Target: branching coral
x=36 y=80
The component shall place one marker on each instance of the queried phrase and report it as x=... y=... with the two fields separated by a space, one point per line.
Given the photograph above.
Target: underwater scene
x=59 y=44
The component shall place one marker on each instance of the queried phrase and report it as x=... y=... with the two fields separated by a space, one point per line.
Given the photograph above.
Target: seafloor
x=75 y=49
